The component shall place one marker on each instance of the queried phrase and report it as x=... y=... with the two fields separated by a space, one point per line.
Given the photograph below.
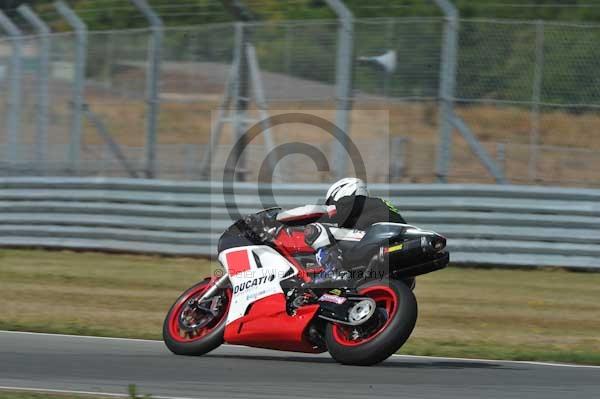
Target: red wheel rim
x=173 y=321
x=386 y=300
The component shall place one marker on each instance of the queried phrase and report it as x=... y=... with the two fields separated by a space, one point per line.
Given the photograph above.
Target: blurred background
x=477 y=119
x=485 y=91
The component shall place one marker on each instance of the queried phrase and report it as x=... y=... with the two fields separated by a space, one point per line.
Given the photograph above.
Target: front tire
x=383 y=334
x=190 y=341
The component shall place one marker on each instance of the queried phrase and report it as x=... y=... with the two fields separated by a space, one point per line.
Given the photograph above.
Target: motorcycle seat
x=354 y=249
x=359 y=251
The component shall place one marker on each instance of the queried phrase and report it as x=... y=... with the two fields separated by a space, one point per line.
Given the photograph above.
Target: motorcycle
x=266 y=295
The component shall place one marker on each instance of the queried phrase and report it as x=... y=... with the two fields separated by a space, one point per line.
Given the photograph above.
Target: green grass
x=27 y=394
x=551 y=315
x=91 y=293
x=548 y=315
x=32 y=395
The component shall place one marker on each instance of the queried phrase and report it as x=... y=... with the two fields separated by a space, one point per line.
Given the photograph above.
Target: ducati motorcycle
x=266 y=296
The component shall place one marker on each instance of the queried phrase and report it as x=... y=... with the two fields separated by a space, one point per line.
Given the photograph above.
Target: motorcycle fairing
x=267 y=325
x=255 y=272
x=257 y=313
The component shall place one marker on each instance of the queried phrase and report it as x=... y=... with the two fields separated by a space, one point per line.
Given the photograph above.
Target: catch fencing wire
x=43 y=70
x=15 y=96
x=528 y=90
x=532 y=82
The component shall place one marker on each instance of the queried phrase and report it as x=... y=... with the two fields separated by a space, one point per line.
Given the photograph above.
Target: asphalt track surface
x=109 y=365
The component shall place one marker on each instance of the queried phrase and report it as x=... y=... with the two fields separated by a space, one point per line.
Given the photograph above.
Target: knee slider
x=316 y=235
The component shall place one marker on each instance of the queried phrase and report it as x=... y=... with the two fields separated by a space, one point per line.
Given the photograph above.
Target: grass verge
x=30 y=394
x=547 y=315
x=43 y=395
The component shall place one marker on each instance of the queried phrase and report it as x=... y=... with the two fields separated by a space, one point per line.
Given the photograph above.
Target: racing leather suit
x=350 y=212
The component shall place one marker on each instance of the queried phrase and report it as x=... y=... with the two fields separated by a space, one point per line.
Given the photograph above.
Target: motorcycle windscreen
x=255 y=273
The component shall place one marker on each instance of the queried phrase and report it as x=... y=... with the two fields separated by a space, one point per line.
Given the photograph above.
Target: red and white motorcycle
x=266 y=296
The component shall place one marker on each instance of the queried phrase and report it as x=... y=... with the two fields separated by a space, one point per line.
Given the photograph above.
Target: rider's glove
x=261 y=225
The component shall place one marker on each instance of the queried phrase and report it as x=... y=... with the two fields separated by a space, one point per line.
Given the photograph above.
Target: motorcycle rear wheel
x=387 y=330
x=208 y=335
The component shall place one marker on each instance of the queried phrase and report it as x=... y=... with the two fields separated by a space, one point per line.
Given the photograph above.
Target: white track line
x=78 y=336
x=247 y=347
x=532 y=362
x=86 y=393
x=152 y=341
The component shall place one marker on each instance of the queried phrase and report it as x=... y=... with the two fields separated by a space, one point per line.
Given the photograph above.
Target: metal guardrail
x=485 y=224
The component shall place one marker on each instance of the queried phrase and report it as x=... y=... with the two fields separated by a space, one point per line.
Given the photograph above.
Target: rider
x=347 y=205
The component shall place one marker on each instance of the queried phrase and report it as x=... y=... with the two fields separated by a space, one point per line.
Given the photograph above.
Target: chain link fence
x=528 y=91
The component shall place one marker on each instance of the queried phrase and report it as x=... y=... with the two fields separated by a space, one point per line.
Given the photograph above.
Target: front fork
x=220 y=283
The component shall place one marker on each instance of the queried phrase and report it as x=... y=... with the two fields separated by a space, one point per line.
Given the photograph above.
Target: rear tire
x=208 y=338
x=398 y=323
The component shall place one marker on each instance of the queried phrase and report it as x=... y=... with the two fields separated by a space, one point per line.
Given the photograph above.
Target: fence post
x=343 y=84
x=534 y=137
x=241 y=96
x=41 y=140
x=13 y=118
x=289 y=37
x=446 y=89
x=78 y=82
x=152 y=84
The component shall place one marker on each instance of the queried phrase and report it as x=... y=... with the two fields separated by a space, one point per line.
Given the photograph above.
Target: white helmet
x=345 y=187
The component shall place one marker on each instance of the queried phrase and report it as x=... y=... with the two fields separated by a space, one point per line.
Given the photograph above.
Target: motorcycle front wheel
x=192 y=328
x=383 y=334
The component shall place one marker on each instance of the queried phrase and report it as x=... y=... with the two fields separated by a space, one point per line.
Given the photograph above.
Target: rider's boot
x=333 y=274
